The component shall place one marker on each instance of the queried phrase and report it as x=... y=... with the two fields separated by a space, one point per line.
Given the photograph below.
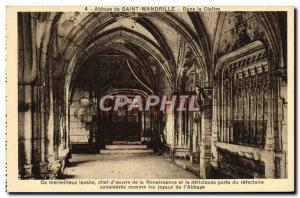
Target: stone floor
x=123 y=166
x=187 y=165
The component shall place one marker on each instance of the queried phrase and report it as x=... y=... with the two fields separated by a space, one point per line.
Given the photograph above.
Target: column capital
x=205 y=97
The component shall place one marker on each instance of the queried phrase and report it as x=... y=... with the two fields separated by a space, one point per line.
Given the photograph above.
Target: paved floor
x=123 y=166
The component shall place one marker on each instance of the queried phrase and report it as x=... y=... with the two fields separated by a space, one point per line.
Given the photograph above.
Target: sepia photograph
x=125 y=98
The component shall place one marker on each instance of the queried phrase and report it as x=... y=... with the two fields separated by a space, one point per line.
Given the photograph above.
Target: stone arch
x=63 y=52
x=272 y=40
x=101 y=20
x=78 y=60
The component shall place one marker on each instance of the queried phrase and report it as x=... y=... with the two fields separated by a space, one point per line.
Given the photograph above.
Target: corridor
x=124 y=166
x=88 y=81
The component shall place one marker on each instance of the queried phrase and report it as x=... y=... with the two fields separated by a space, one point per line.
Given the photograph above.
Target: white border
x=4 y=3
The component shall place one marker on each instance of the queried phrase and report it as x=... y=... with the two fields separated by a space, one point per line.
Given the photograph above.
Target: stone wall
x=82 y=119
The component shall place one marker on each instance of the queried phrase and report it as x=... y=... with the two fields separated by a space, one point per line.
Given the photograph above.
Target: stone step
x=118 y=151
x=125 y=147
x=126 y=143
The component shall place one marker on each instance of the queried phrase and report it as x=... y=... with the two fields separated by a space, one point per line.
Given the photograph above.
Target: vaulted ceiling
x=156 y=44
x=160 y=47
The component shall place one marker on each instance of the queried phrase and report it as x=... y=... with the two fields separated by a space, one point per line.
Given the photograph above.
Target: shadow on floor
x=73 y=164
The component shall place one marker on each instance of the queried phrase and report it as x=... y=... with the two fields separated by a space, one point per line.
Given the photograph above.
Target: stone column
x=43 y=163
x=269 y=160
x=25 y=113
x=192 y=135
x=54 y=165
x=282 y=119
x=38 y=132
x=68 y=124
x=205 y=144
x=142 y=125
x=146 y=125
x=270 y=139
x=174 y=140
x=27 y=74
x=270 y=146
x=195 y=131
x=170 y=128
x=215 y=127
x=179 y=120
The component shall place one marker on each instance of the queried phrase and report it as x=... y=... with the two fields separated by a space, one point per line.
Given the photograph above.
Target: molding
x=244 y=151
x=251 y=52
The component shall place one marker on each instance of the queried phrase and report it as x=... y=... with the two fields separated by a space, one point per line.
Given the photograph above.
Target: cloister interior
x=234 y=62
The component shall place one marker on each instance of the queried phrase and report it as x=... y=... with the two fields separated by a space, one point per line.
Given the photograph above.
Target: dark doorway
x=126 y=126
